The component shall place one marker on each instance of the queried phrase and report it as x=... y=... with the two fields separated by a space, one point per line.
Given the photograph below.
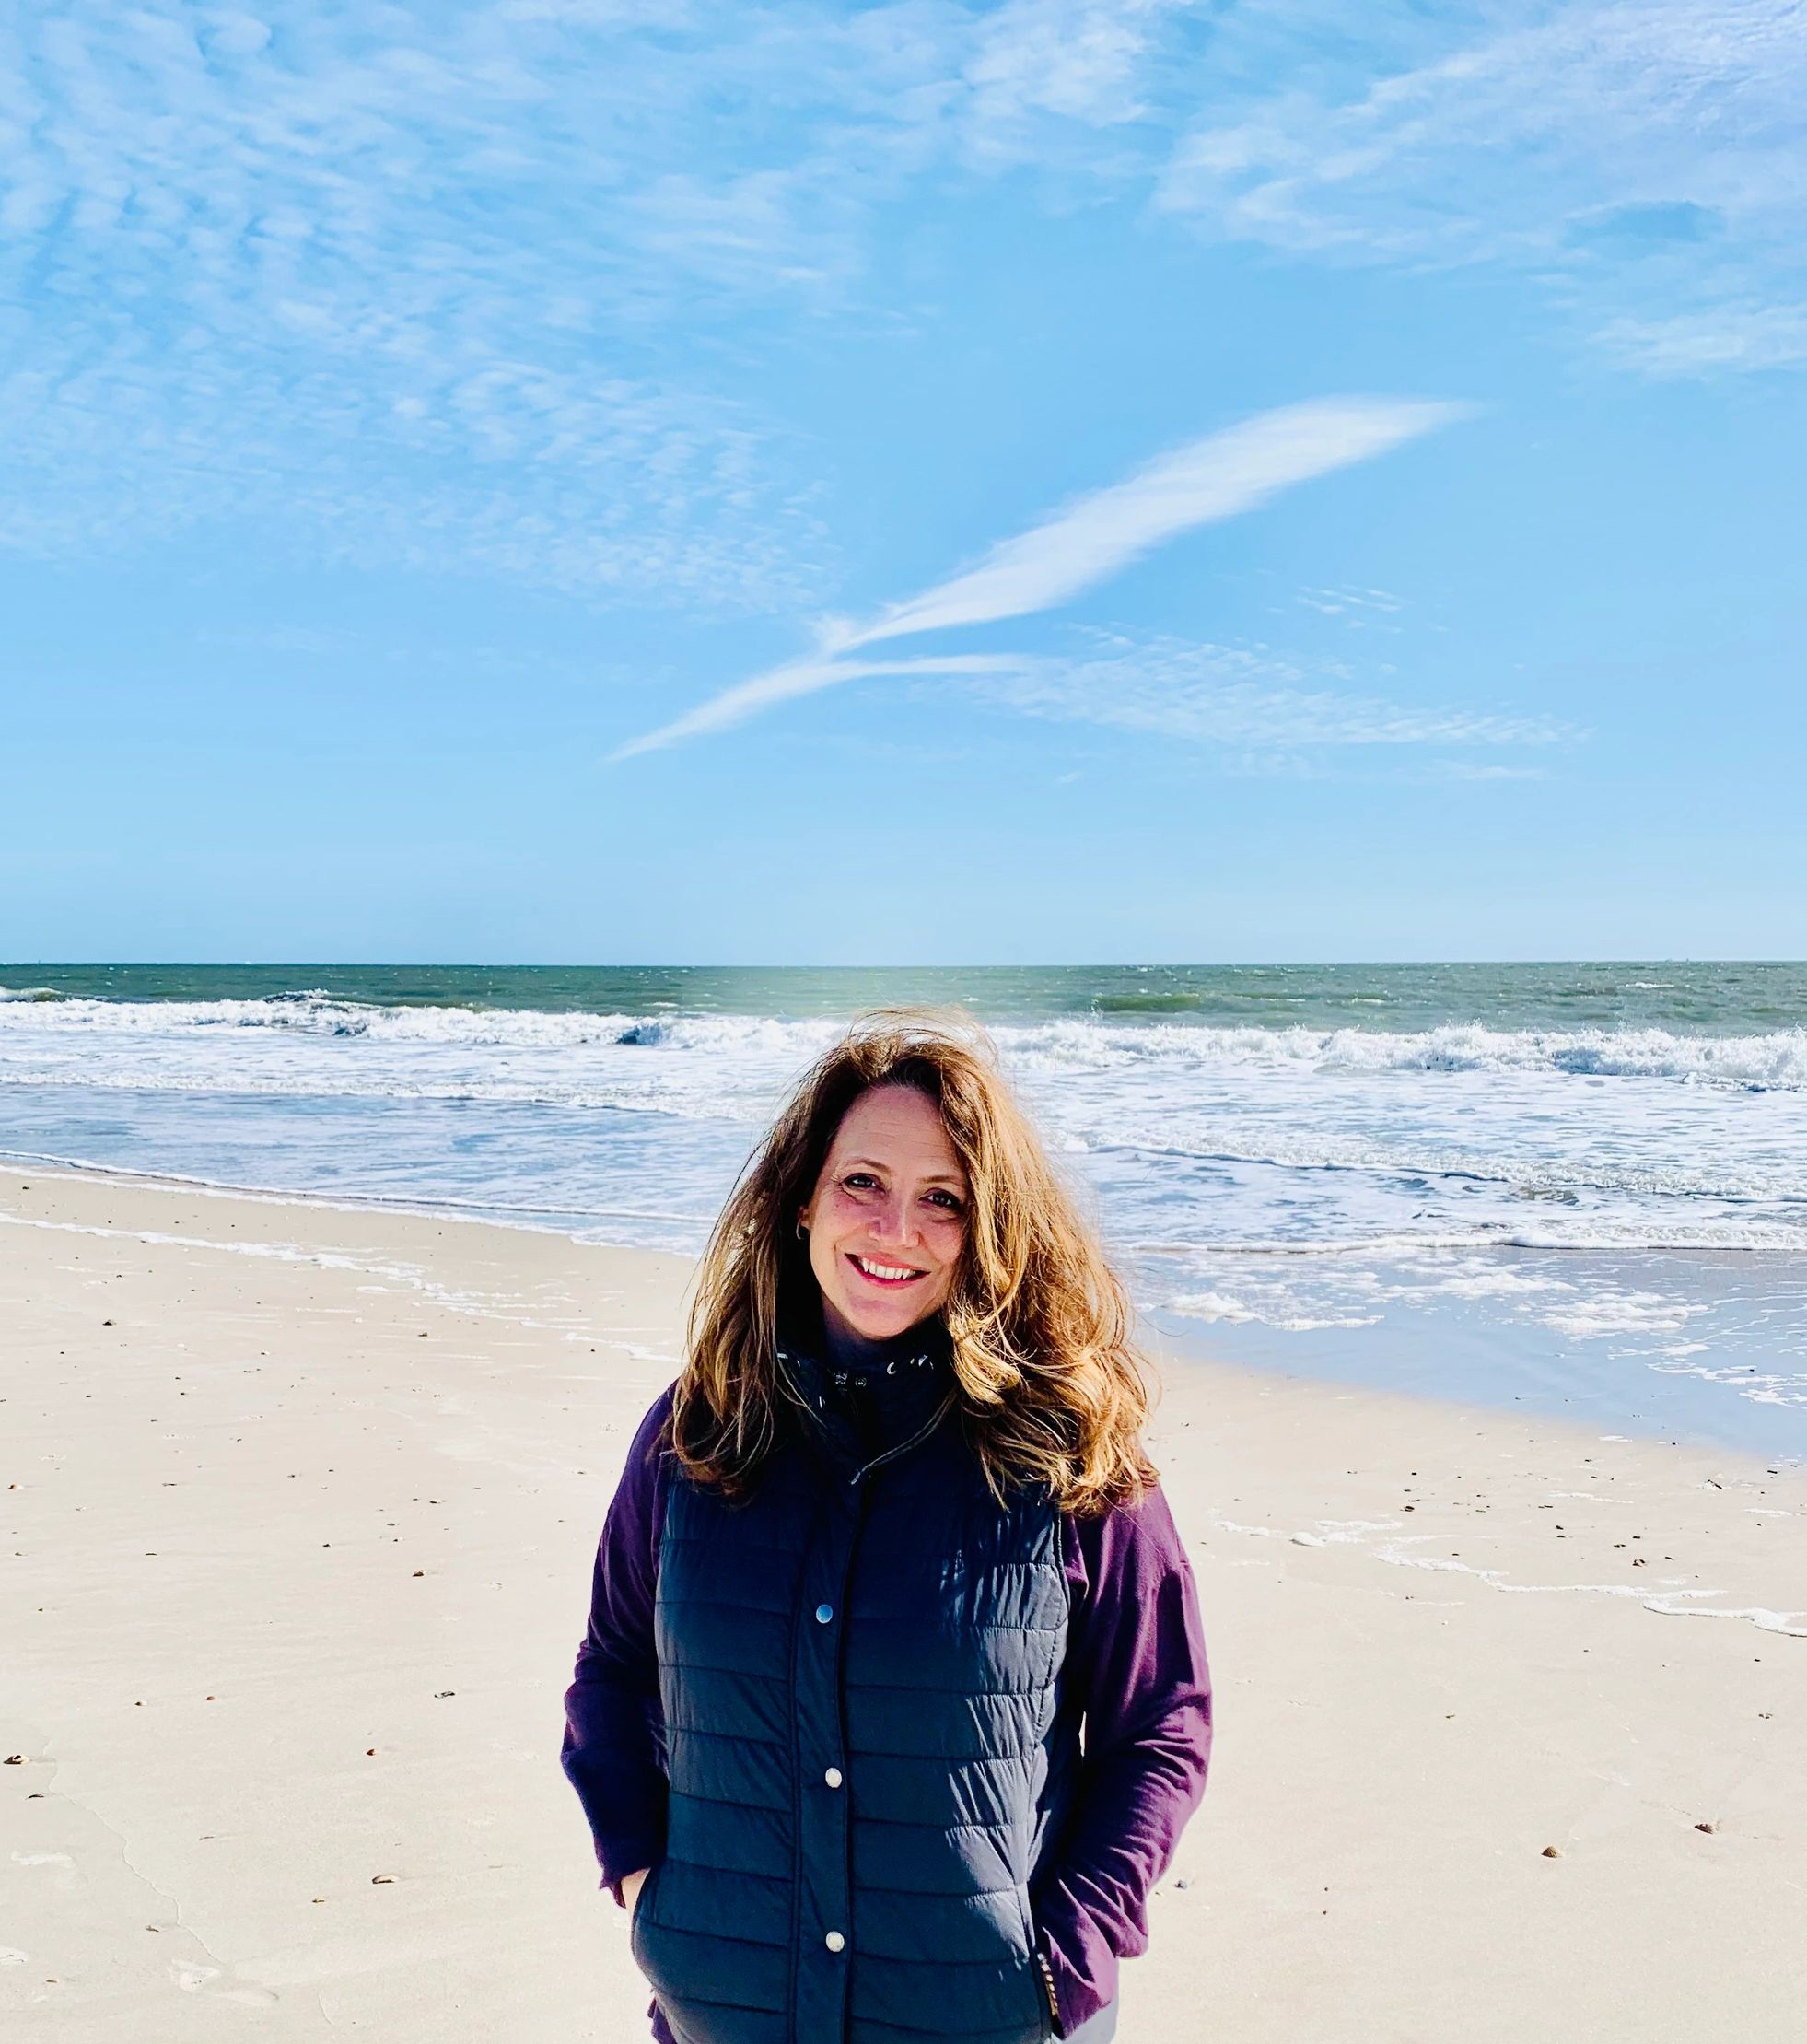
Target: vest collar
x=870 y=1412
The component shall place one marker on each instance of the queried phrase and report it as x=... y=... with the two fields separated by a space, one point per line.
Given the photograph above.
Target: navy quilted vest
x=860 y=1669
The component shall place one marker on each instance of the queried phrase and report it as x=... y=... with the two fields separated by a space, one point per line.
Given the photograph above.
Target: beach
x=300 y=1507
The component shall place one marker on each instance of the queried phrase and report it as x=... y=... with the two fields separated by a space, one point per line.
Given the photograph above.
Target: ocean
x=1578 y=1190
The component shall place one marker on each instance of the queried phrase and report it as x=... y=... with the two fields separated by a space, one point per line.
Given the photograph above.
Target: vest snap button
x=833 y=1776
x=834 y=1941
x=824 y=1613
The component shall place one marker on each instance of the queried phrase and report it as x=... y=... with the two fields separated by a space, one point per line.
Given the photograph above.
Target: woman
x=893 y=1701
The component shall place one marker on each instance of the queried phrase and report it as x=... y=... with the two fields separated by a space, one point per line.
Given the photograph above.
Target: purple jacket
x=1135 y=1658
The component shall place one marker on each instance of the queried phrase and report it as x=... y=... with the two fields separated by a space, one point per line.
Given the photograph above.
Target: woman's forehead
x=894 y=1124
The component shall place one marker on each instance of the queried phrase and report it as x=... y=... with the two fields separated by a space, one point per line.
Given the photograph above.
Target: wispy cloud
x=476 y=288
x=1093 y=538
x=382 y=283
x=805 y=677
x=1087 y=60
x=1642 y=159
x=1208 y=479
x=416 y=283
x=1724 y=337
x=402 y=283
x=1355 y=606
x=1480 y=770
x=1244 y=697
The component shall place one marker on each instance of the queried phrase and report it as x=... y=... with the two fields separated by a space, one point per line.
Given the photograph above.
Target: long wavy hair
x=1051 y=1389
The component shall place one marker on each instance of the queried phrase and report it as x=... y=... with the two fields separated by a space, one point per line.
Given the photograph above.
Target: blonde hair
x=1051 y=1389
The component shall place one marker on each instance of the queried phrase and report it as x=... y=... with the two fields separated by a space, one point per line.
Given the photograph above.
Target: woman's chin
x=879 y=1326
x=878 y=1319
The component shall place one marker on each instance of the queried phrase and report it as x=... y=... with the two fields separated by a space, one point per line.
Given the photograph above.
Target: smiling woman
x=893 y=1672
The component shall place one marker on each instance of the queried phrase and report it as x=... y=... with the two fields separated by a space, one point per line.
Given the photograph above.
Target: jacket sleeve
x=614 y=1728
x=1135 y=1666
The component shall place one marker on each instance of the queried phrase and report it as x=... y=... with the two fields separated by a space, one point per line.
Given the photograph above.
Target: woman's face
x=887 y=1219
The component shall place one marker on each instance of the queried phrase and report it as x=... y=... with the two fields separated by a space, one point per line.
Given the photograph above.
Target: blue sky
x=591 y=480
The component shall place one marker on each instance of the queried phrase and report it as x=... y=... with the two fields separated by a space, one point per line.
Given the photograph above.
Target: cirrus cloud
x=1091 y=538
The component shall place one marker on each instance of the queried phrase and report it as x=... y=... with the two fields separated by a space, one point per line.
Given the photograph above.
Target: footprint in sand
x=199 y=1979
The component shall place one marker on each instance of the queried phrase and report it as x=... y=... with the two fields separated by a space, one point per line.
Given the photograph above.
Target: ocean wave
x=1773 y=1061
x=767 y=1036
x=309 y=1012
x=1681 y=1233
x=385 y=1086
x=1560 y=1177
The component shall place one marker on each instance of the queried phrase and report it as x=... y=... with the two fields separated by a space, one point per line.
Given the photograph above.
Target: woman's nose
x=894 y=1220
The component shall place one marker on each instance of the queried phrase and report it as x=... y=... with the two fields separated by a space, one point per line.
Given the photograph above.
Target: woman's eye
x=859 y=1180
x=947 y=1200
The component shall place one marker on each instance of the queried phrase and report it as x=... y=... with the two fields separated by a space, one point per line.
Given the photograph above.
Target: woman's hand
x=630 y=1888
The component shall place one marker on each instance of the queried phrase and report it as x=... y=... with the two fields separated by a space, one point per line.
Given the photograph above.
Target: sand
x=299 y=1507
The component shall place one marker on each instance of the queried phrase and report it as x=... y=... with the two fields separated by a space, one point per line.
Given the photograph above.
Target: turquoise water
x=1713 y=998
x=1580 y=1188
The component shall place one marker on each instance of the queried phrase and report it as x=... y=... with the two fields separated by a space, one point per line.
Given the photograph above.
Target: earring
x=802 y=1233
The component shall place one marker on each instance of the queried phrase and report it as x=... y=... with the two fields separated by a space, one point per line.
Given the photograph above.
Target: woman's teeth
x=886 y=1273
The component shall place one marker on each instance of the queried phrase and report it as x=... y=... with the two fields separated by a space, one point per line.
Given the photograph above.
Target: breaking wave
x=1773 y=1060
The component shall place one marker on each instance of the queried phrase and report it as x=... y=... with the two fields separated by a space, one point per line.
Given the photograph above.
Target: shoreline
x=1398 y=1344
x=304 y=1502
x=1444 y=1350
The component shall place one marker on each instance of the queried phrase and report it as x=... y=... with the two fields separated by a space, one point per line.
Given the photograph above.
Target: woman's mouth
x=889 y=1276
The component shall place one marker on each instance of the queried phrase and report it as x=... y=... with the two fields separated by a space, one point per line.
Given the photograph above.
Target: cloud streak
x=1093 y=538
x=1249 y=698
x=780 y=684
x=1640 y=159
x=1196 y=484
